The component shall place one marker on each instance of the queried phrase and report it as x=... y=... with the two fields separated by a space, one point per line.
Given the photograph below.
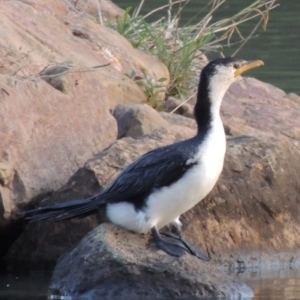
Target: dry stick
x=137 y=12
x=208 y=16
x=245 y=41
x=228 y=27
x=90 y=69
x=203 y=27
x=243 y=16
x=231 y=25
x=101 y=66
x=248 y=38
x=214 y=8
x=160 y=8
x=190 y=21
x=255 y=28
x=178 y=14
x=185 y=101
x=99 y=12
x=217 y=24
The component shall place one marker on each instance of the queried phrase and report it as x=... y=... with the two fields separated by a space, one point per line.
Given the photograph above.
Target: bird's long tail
x=64 y=211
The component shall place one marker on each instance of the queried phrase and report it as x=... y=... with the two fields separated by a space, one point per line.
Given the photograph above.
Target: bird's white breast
x=169 y=203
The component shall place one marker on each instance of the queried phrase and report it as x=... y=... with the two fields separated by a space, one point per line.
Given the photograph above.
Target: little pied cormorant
x=156 y=189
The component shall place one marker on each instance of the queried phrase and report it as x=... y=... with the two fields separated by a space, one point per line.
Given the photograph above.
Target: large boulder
x=252 y=107
x=47 y=135
x=42 y=243
x=61 y=73
x=46 y=242
x=251 y=218
x=111 y=263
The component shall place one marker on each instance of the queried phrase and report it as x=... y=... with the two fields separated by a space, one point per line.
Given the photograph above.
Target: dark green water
x=278 y=47
x=24 y=286
x=267 y=285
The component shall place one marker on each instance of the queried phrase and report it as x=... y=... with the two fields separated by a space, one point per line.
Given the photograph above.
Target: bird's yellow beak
x=248 y=65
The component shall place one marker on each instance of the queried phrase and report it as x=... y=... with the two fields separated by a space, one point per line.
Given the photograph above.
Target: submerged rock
x=111 y=263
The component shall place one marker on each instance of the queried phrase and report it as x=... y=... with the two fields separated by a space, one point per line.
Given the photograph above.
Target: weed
x=178 y=47
x=154 y=89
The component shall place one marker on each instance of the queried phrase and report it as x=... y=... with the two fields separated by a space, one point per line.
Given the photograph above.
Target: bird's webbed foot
x=175 y=235
x=168 y=244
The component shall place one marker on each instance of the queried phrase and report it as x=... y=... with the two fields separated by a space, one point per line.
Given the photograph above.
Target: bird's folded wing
x=155 y=169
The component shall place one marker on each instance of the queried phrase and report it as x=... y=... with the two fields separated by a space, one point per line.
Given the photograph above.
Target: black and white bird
x=156 y=189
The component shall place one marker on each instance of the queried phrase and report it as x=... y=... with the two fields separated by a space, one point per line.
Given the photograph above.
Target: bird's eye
x=236 y=65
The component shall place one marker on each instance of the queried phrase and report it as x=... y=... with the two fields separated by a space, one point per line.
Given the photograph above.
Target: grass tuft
x=180 y=48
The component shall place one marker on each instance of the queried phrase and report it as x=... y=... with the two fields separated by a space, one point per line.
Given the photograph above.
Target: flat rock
x=123 y=265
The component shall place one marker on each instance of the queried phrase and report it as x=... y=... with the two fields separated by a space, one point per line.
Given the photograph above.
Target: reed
x=179 y=46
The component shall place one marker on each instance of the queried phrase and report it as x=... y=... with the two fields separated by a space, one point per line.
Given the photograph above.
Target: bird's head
x=226 y=70
x=220 y=73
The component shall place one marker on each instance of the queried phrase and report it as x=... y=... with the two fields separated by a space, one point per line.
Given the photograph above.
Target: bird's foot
x=187 y=246
x=176 y=245
x=168 y=244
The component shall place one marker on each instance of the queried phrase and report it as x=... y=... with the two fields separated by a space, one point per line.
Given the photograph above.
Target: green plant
x=178 y=47
x=153 y=88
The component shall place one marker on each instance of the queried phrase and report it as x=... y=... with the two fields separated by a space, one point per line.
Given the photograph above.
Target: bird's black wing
x=155 y=169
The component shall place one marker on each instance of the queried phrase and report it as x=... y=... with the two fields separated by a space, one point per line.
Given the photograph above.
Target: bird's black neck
x=202 y=110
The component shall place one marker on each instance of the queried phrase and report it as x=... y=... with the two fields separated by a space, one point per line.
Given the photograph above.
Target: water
x=278 y=47
x=273 y=284
x=267 y=284
x=24 y=286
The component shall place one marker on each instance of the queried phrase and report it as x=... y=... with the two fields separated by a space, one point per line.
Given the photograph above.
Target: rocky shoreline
x=68 y=143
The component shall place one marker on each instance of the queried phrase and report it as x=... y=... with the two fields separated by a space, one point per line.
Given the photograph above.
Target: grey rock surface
x=111 y=263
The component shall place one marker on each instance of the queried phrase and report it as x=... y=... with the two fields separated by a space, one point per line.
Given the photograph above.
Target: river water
x=278 y=46
x=271 y=284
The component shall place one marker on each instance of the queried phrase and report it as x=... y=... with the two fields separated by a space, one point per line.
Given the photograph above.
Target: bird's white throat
x=218 y=86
